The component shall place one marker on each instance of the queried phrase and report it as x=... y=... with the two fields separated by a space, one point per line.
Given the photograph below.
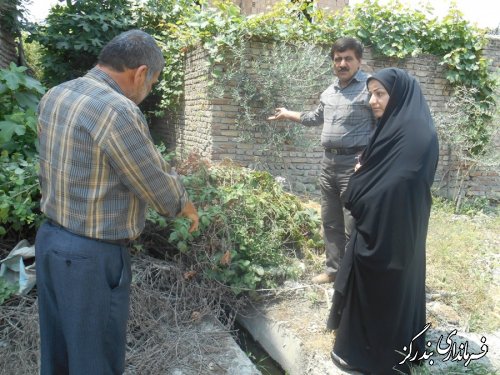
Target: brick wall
x=208 y=126
x=192 y=125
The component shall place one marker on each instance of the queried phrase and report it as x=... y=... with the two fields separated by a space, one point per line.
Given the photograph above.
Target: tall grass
x=462 y=265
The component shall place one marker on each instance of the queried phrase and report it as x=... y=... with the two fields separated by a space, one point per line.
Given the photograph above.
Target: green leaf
x=12 y=79
x=7 y=130
x=26 y=100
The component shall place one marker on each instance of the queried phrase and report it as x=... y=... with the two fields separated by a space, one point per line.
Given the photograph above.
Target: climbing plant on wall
x=392 y=30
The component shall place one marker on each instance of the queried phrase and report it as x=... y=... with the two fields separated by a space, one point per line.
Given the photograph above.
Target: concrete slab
x=231 y=360
x=284 y=346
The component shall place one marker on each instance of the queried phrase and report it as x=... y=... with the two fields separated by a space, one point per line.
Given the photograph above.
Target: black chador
x=379 y=300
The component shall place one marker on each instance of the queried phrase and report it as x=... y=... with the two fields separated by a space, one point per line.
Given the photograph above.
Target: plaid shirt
x=345 y=113
x=99 y=167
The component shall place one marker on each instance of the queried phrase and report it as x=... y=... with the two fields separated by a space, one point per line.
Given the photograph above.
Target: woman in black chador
x=379 y=301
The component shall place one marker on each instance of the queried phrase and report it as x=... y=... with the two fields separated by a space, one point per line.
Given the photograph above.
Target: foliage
x=161 y=18
x=75 y=33
x=251 y=232
x=454 y=127
x=19 y=189
x=219 y=27
x=33 y=57
x=6 y=290
x=12 y=15
x=18 y=101
x=281 y=75
x=391 y=30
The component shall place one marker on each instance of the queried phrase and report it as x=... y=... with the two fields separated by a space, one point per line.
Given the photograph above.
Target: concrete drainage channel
x=256 y=353
x=284 y=347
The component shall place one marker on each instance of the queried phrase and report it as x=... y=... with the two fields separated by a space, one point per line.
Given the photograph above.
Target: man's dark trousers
x=83 y=299
x=337 y=220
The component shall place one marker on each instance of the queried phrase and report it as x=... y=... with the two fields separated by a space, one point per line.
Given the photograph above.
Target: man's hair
x=344 y=44
x=131 y=49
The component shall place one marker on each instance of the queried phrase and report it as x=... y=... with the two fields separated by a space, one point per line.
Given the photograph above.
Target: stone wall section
x=207 y=126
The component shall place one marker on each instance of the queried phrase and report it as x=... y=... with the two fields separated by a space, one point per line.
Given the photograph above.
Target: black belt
x=345 y=151
x=120 y=242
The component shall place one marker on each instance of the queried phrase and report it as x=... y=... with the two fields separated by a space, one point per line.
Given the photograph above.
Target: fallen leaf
x=226 y=258
x=189 y=275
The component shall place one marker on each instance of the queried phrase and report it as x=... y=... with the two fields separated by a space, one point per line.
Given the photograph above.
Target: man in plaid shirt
x=99 y=169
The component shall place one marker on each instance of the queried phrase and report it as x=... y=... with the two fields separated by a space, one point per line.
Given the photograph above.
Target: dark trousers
x=83 y=300
x=337 y=221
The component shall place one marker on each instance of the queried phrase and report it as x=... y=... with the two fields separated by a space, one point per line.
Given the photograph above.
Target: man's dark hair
x=344 y=44
x=130 y=50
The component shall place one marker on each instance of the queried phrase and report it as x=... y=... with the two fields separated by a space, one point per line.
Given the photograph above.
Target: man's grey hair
x=131 y=49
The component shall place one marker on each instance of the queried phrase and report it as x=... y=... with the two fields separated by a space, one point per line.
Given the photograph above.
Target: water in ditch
x=264 y=363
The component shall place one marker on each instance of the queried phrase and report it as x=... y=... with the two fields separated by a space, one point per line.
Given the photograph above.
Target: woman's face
x=379 y=97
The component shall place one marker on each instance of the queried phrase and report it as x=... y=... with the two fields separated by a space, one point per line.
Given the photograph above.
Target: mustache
x=343 y=69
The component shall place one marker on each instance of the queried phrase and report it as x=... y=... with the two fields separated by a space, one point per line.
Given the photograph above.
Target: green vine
x=219 y=27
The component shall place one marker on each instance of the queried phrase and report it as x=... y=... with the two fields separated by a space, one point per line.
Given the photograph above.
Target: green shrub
x=74 y=34
x=6 y=290
x=251 y=232
x=19 y=188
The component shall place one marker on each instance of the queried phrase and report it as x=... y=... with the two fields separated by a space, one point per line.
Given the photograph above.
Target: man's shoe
x=323 y=278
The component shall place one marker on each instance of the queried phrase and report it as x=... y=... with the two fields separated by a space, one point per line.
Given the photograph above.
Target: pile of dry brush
x=170 y=310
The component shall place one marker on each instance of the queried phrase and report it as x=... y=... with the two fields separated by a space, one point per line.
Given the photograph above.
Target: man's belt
x=345 y=151
x=120 y=242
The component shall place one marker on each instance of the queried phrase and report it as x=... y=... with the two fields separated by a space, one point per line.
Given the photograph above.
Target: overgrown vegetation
x=19 y=189
x=252 y=233
x=12 y=14
x=261 y=77
x=74 y=34
x=239 y=214
x=454 y=130
x=392 y=30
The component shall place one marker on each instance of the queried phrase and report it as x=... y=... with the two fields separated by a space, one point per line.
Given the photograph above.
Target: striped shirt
x=345 y=113
x=99 y=167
